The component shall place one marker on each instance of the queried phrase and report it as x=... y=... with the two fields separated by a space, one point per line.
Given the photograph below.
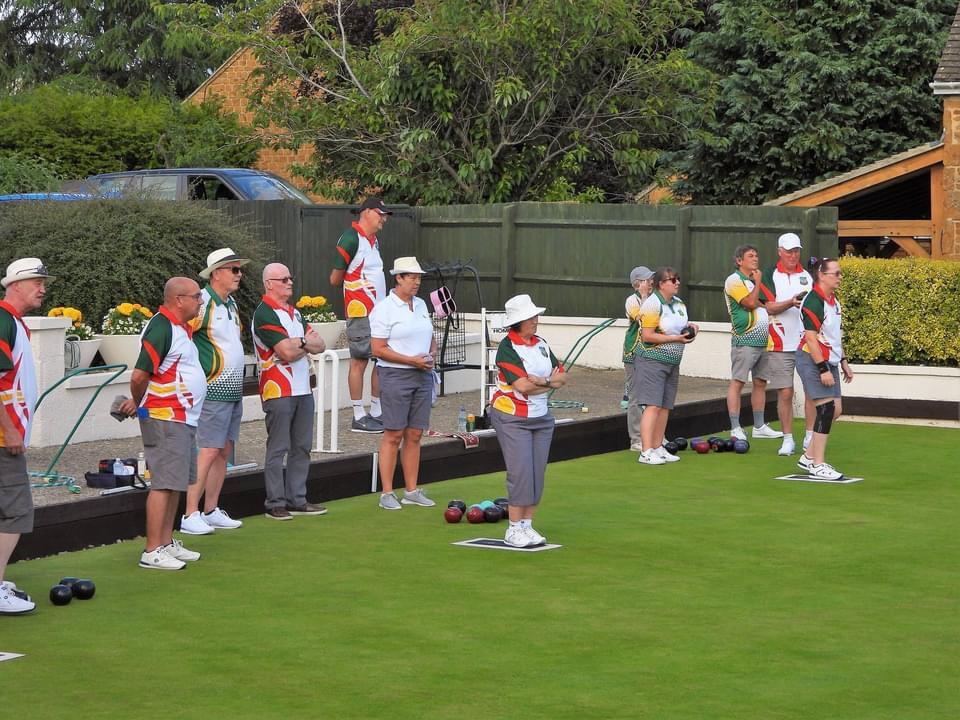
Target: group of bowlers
x=783 y=321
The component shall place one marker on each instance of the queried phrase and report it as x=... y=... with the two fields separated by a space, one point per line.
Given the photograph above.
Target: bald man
x=168 y=386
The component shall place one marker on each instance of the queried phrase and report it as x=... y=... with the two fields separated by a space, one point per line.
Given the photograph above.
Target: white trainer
x=636 y=447
x=194 y=524
x=160 y=559
x=666 y=455
x=517 y=536
x=219 y=520
x=11 y=588
x=787 y=447
x=805 y=462
x=738 y=434
x=535 y=537
x=823 y=471
x=178 y=551
x=650 y=457
x=12 y=604
x=417 y=497
x=765 y=431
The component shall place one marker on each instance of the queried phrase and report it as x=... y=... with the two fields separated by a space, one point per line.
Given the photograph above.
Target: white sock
x=526 y=523
x=375 y=406
x=515 y=525
x=358 y=412
x=808 y=437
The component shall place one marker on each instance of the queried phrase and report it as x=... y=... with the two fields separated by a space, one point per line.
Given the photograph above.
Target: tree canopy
x=447 y=101
x=808 y=88
x=124 y=42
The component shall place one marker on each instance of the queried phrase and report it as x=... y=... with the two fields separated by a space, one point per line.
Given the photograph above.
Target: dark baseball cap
x=374 y=203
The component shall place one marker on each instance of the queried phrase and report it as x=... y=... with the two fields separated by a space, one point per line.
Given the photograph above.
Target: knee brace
x=824 y=418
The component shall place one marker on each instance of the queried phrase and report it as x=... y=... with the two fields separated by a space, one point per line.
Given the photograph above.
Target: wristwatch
x=303 y=343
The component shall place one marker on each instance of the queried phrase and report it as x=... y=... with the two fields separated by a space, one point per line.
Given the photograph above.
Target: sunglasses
x=195 y=296
x=672 y=279
x=236 y=269
x=287 y=279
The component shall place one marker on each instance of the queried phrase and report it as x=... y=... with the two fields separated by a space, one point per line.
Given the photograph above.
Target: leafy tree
x=84 y=128
x=447 y=101
x=810 y=88
x=124 y=42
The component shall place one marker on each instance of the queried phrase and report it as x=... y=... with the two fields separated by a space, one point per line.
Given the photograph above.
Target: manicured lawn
x=703 y=589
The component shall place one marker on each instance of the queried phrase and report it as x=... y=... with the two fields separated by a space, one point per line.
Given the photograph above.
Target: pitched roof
x=886 y=162
x=948 y=70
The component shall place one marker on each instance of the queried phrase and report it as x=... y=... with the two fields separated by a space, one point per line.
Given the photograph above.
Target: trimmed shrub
x=901 y=312
x=104 y=252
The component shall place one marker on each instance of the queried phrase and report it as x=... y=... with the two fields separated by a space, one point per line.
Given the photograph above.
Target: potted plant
x=81 y=346
x=120 y=337
x=319 y=314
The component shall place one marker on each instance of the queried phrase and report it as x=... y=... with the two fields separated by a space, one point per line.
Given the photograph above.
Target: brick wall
x=229 y=83
x=951 y=176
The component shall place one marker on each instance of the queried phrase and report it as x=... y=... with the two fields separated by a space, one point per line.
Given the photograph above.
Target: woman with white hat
x=527 y=371
x=401 y=338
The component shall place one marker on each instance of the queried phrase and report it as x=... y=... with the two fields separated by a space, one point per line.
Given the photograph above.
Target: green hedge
x=109 y=251
x=901 y=312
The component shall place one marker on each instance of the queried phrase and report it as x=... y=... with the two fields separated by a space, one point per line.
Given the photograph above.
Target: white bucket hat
x=25 y=269
x=404 y=265
x=520 y=308
x=218 y=258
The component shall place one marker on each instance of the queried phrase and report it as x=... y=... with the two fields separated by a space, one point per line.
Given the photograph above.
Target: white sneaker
x=738 y=434
x=178 y=551
x=666 y=455
x=535 y=537
x=388 y=501
x=636 y=447
x=13 y=604
x=11 y=588
x=823 y=471
x=417 y=497
x=787 y=447
x=160 y=559
x=194 y=524
x=805 y=462
x=765 y=431
x=650 y=457
x=218 y=519
x=517 y=536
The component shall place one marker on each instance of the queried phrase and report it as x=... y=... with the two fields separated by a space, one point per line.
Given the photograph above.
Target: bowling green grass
x=704 y=589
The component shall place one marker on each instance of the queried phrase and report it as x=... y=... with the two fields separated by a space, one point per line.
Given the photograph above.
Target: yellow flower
x=320 y=300
x=73 y=314
x=304 y=301
x=125 y=308
x=55 y=312
x=137 y=306
x=147 y=312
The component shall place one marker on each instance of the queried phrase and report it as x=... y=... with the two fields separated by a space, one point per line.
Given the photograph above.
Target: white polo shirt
x=408 y=332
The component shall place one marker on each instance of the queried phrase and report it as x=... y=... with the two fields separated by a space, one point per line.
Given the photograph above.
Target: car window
x=158 y=187
x=265 y=187
x=208 y=187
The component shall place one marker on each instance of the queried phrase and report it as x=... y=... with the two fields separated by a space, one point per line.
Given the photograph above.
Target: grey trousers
x=525 y=444
x=289 y=433
x=634 y=409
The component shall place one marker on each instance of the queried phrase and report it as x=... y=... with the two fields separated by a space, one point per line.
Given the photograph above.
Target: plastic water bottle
x=141 y=465
x=462 y=419
x=118 y=469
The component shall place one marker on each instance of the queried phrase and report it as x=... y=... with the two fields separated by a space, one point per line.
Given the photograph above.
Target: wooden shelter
x=909 y=203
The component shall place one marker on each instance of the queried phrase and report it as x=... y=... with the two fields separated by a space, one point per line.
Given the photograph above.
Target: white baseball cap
x=789 y=241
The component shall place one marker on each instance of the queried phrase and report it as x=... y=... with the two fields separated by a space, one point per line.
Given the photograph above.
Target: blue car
x=47 y=196
x=190 y=184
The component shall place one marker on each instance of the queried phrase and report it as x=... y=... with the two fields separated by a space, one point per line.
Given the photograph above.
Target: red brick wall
x=229 y=83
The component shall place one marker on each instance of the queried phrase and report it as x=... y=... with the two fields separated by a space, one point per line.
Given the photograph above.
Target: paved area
x=600 y=390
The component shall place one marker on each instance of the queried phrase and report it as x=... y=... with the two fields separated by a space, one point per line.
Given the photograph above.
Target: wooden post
x=508 y=259
x=682 y=243
x=938 y=211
